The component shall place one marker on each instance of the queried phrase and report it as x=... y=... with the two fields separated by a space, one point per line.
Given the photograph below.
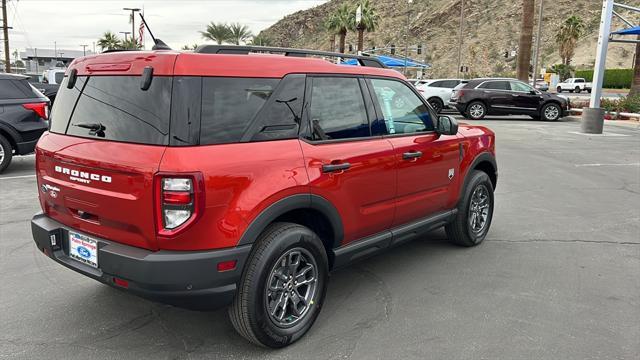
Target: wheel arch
x=310 y=210
x=486 y=163
x=12 y=136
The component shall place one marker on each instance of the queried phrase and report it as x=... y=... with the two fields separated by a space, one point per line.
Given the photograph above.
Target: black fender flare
x=290 y=203
x=482 y=157
x=14 y=135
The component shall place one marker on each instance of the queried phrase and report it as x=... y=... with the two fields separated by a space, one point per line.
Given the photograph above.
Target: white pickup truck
x=575 y=85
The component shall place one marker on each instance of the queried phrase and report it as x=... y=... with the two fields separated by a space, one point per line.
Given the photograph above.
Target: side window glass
x=337 y=109
x=520 y=87
x=495 y=85
x=403 y=111
x=437 y=84
x=280 y=118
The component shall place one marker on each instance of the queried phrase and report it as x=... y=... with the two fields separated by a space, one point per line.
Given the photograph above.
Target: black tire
x=559 y=90
x=589 y=91
x=6 y=153
x=552 y=115
x=577 y=90
x=437 y=104
x=248 y=312
x=478 y=106
x=460 y=231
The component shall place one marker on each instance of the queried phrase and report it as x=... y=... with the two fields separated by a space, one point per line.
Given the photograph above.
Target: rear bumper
x=184 y=279
x=27 y=147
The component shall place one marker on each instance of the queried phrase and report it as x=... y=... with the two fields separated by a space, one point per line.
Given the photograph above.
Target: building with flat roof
x=37 y=60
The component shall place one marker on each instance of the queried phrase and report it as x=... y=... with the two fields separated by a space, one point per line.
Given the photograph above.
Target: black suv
x=481 y=97
x=24 y=114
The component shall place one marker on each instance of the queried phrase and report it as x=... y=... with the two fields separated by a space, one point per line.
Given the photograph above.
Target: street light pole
x=538 y=38
x=406 y=36
x=460 y=37
x=84 y=50
x=133 y=22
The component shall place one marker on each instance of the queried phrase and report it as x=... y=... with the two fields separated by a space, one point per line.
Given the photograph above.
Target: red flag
x=141 y=34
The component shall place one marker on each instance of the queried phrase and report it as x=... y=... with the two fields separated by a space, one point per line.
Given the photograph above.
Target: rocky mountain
x=491 y=29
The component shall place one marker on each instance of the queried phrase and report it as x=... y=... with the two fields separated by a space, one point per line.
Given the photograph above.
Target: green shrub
x=613 y=78
x=630 y=104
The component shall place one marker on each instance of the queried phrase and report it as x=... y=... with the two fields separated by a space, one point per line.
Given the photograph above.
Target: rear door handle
x=335 y=167
x=412 y=155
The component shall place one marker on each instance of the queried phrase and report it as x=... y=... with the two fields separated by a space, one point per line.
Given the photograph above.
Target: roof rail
x=363 y=60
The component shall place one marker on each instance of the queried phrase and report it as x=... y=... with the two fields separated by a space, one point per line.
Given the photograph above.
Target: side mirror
x=447 y=125
x=533 y=92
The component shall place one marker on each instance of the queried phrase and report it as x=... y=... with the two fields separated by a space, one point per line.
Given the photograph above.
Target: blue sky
x=38 y=23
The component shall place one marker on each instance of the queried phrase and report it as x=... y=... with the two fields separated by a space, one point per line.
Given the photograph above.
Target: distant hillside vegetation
x=492 y=27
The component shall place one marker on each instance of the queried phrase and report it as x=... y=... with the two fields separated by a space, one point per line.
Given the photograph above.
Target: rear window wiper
x=97 y=129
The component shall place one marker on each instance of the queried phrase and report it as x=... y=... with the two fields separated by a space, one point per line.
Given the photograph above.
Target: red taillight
x=121 y=282
x=227 y=265
x=42 y=109
x=179 y=201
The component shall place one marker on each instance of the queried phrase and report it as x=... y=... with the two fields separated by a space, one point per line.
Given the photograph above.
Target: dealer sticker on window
x=83 y=249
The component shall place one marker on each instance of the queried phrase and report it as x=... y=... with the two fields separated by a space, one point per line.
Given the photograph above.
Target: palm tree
x=130 y=44
x=261 y=40
x=567 y=38
x=526 y=40
x=239 y=33
x=190 y=47
x=109 y=41
x=369 y=21
x=332 y=26
x=343 y=23
x=218 y=32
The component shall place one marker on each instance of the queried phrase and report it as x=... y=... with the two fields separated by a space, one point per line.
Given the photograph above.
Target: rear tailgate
x=100 y=188
x=96 y=166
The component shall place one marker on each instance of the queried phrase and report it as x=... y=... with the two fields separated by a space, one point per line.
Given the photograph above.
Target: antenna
x=159 y=44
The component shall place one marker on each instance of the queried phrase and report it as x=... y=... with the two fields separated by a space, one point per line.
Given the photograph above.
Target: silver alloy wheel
x=479 y=209
x=1 y=153
x=551 y=112
x=291 y=287
x=476 y=111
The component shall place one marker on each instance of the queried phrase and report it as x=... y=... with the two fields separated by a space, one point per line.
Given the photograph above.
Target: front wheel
x=477 y=110
x=559 y=90
x=436 y=104
x=475 y=211
x=551 y=112
x=577 y=90
x=6 y=153
x=282 y=287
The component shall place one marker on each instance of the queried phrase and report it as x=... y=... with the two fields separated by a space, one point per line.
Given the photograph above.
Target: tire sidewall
x=264 y=328
x=543 y=112
x=8 y=153
x=440 y=104
x=478 y=178
x=484 y=113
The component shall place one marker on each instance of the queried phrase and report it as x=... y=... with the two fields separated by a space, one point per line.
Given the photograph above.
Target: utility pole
x=460 y=37
x=84 y=50
x=5 y=30
x=406 y=36
x=133 y=22
x=538 y=38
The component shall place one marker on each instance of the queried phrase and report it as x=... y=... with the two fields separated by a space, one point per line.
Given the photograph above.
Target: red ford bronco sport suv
x=230 y=176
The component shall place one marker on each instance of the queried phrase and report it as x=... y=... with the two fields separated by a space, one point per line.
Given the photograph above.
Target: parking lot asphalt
x=557 y=278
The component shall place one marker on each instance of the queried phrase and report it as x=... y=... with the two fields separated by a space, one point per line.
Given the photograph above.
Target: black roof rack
x=363 y=60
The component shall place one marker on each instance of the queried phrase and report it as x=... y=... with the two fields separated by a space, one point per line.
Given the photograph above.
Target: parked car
x=250 y=180
x=542 y=85
x=49 y=90
x=53 y=76
x=574 y=85
x=438 y=92
x=482 y=97
x=24 y=112
x=416 y=82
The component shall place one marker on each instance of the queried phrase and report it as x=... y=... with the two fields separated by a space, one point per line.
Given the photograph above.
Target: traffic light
x=350 y=48
x=393 y=49
x=506 y=54
x=419 y=50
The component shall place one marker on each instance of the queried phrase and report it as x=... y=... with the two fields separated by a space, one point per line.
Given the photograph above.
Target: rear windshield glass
x=114 y=108
x=59 y=76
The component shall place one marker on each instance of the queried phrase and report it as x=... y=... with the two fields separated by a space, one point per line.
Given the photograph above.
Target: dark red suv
x=209 y=179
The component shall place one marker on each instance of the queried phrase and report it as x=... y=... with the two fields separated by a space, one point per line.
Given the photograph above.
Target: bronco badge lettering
x=82 y=176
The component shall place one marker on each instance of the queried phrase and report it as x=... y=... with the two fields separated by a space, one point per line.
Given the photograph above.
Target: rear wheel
x=6 y=153
x=559 y=90
x=436 y=104
x=475 y=211
x=477 y=110
x=282 y=287
x=551 y=112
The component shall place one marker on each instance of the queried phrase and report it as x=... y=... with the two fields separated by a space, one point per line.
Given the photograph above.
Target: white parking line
x=596 y=165
x=604 y=134
x=17 y=177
